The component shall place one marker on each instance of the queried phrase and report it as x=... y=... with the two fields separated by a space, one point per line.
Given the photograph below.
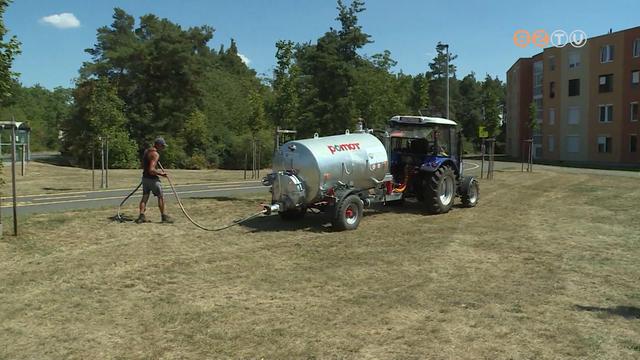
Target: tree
x=533 y=117
x=419 y=100
x=284 y=109
x=469 y=112
x=437 y=76
x=490 y=106
x=9 y=49
x=98 y=114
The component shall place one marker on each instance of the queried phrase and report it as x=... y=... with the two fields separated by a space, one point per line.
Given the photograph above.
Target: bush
x=174 y=155
x=197 y=162
x=122 y=151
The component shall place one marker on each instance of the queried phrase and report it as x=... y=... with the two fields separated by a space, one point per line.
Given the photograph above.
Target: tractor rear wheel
x=348 y=213
x=440 y=190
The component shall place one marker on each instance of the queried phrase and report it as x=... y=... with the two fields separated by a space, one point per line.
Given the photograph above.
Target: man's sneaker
x=166 y=219
x=141 y=219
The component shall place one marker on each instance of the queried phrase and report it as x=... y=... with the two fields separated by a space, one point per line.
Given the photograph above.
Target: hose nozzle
x=271 y=209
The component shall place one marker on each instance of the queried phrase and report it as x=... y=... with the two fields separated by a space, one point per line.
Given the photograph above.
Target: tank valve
x=271 y=209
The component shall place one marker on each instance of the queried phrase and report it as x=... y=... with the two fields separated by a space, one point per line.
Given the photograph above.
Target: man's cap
x=160 y=141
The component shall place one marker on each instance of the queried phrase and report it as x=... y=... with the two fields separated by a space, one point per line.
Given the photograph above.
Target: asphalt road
x=46 y=203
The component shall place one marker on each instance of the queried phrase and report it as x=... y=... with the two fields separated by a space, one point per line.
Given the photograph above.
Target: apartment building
x=587 y=101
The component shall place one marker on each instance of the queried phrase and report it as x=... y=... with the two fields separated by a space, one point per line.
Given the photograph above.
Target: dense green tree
x=437 y=76
x=44 y=110
x=9 y=49
x=99 y=116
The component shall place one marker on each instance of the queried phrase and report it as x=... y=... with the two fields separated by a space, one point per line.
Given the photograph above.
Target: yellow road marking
x=59 y=197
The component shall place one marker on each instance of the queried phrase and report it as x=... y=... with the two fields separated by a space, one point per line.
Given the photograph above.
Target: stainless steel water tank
x=321 y=162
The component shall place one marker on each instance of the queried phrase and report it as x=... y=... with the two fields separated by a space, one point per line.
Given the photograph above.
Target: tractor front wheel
x=440 y=190
x=470 y=192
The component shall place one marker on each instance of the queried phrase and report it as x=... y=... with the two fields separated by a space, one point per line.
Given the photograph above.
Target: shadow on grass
x=312 y=222
x=320 y=221
x=627 y=312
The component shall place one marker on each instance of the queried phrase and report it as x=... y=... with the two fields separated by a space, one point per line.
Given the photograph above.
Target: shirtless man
x=151 y=180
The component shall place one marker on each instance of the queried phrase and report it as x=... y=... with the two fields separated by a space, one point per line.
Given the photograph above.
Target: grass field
x=546 y=267
x=43 y=178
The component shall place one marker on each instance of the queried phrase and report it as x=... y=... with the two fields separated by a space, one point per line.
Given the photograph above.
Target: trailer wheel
x=348 y=213
x=470 y=192
x=440 y=190
x=292 y=215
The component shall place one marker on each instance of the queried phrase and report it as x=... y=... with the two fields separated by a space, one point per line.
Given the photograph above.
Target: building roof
x=421 y=120
x=18 y=124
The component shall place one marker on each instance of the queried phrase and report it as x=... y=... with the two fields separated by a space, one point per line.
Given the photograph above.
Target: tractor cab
x=425 y=160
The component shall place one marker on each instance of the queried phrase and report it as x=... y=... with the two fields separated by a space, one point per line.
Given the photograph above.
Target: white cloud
x=61 y=21
x=244 y=59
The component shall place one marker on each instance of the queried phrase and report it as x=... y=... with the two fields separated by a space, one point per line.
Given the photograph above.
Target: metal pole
x=13 y=177
x=492 y=160
x=522 y=157
x=101 y=163
x=245 y=165
x=93 y=167
x=482 y=161
x=259 y=158
x=447 y=81
x=531 y=155
x=106 y=164
x=24 y=158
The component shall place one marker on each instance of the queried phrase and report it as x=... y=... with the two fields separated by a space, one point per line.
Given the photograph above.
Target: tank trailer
x=416 y=157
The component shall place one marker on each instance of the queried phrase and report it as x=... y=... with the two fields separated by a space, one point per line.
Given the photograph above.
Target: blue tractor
x=425 y=155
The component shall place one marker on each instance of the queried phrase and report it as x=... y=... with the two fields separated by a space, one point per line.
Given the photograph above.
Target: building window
x=551 y=143
x=635 y=77
x=574 y=87
x=574 y=60
x=634 y=111
x=552 y=89
x=604 y=144
x=573 y=144
x=636 y=48
x=606 y=83
x=606 y=113
x=573 y=115
x=552 y=116
x=606 y=54
x=552 y=63
x=633 y=143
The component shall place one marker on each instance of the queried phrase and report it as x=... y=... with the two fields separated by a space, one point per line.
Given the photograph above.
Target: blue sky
x=479 y=32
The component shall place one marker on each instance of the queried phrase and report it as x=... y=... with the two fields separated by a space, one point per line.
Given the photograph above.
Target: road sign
x=482 y=132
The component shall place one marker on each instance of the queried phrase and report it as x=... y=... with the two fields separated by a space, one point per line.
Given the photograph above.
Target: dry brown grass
x=546 y=267
x=45 y=179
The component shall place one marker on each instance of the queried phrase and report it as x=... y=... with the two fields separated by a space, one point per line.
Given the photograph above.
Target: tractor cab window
x=441 y=141
x=430 y=140
x=412 y=140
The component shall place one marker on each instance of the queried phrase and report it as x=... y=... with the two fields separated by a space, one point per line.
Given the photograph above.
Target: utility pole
x=13 y=176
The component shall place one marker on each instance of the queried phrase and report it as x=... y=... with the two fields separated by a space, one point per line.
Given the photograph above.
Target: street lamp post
x=447 y=47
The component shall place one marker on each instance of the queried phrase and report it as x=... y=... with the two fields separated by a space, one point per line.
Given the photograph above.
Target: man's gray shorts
x=151 y=186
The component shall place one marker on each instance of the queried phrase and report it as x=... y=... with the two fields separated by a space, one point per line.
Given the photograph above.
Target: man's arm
x=153 y=162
